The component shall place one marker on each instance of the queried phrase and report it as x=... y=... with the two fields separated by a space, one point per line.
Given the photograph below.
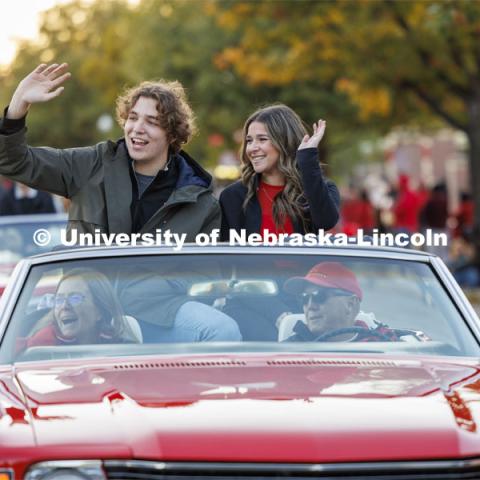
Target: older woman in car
x=85 y=311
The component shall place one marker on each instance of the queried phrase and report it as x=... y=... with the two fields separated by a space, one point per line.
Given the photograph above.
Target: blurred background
x=397 y=81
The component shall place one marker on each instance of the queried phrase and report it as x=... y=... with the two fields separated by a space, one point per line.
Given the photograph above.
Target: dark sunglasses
x=73 y=299
x=321 y=296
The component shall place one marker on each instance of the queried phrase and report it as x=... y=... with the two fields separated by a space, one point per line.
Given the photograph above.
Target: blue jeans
x=194 y=322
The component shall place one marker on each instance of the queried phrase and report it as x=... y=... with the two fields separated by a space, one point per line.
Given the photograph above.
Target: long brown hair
x=286 y=131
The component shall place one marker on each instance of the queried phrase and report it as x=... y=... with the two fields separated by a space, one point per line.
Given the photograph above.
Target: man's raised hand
x=41 y=85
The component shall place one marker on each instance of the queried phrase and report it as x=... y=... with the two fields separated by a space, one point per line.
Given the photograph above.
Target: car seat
x=286 y=324
x=134 y=327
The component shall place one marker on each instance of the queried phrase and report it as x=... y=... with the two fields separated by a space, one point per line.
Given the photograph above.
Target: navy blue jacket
x=321 y=210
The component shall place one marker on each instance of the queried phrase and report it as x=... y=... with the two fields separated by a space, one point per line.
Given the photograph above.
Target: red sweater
x=266 y=195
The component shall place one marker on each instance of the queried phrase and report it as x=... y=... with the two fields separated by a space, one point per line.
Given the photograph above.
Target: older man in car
x=331 y=296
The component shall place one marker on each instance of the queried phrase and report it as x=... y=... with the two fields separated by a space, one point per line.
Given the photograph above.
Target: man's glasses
x=73 y=299
x=321 y=296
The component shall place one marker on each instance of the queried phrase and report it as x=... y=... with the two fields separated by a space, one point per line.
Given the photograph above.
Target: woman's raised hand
x=41 y=85
x=313 y=141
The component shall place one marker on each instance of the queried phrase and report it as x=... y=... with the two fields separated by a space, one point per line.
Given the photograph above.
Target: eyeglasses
x=73 y=299
x=321 y=296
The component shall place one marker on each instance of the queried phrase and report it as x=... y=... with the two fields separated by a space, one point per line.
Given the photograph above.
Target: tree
x=91 y=38
x=396 y=61
x=110 y=45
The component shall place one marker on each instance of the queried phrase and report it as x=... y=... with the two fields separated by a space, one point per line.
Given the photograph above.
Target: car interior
x=248 y=288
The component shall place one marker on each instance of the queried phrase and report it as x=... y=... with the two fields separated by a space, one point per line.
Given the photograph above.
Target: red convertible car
x=232 y=363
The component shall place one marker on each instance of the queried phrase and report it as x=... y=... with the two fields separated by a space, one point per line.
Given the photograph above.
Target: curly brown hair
x=176 y=115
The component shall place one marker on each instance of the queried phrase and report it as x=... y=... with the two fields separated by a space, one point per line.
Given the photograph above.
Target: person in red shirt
x=406 y=208
x=282 y=189
x=357 y=212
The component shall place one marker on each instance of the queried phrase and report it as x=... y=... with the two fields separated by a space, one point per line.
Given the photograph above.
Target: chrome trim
x=41 y=468
x=67 y=464
x=460 y=299
x=189 y=248
x=285 y=468
x=12 y=293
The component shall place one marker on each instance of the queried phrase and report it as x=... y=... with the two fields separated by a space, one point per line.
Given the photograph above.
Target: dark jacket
x=362 y=333
x=10 y=205
x=435 y=211
x=97 y=180
x=322 y=196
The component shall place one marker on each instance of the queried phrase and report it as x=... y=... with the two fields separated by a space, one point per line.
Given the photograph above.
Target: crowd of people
x=413 y=210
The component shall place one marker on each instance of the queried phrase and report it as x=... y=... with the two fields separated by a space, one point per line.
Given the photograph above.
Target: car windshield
x=211 y=303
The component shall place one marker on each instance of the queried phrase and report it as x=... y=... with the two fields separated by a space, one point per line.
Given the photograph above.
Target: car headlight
x=67 y=470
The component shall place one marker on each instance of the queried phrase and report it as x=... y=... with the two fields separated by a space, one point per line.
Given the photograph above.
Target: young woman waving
x=282 y=188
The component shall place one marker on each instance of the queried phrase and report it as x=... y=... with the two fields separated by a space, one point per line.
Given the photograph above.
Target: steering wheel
x=360 y=330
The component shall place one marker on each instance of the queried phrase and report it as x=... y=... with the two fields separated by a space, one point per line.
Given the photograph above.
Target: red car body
x=262 y=408
x=285 y=409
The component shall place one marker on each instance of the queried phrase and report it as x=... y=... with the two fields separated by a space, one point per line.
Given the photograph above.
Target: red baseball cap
x=327 y=275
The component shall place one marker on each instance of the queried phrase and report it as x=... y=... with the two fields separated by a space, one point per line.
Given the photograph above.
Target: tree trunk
x=474 y=163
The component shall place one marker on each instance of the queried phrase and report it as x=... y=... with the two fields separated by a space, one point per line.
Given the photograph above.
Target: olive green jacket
x=97 y=180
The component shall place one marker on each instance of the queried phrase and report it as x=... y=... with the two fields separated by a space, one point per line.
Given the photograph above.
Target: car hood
x=257 y=408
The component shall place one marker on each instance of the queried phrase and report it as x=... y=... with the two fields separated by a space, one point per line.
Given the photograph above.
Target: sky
x=18 y=20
